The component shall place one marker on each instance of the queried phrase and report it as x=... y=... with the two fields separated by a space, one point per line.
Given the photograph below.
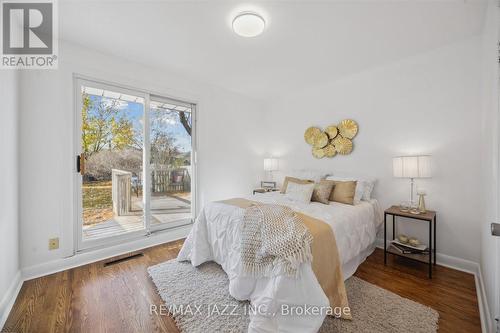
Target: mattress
x=355 y=227
x=216 y=236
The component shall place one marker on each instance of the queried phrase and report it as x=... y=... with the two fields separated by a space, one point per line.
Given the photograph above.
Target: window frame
x=80 y=244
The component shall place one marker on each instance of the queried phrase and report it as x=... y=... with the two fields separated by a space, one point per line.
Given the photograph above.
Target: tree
x=164 y=149
x=106 y=128
x=122 y=133
x=185 y=118
x=104 y=125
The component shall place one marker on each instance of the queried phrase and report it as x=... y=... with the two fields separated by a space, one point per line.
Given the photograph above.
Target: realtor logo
x=28 y=35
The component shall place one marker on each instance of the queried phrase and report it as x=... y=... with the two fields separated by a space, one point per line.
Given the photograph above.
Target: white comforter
x=216 y=237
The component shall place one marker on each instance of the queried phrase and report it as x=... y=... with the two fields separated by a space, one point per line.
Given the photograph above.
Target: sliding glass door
x=170 y=162
x=134 y=163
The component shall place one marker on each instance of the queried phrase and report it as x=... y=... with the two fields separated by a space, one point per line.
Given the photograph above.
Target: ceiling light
x=248 y=24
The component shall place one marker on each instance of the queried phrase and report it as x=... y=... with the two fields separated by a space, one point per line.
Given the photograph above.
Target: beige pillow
x=322 y=191
x=293 y=180
x=343 y=192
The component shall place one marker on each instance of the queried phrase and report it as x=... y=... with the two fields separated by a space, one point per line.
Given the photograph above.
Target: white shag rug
x=190 y=294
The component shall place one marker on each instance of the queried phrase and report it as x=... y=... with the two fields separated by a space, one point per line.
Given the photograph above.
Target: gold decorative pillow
x=343 y=192
x=322 y=191
x=294 y=180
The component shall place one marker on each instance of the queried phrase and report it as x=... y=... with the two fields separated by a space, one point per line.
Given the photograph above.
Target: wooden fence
x=163 y=180
x=170 y=180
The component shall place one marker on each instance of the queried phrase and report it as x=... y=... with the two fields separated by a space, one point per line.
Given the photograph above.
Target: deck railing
x=170 y=180
x=163 y=180
x=121 y=185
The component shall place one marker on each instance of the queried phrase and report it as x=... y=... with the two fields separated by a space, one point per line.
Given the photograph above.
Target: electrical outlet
x=53 y=243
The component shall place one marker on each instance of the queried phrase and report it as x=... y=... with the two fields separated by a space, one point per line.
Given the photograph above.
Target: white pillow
x=299 y=192
x=368 y=183
x=313 y=175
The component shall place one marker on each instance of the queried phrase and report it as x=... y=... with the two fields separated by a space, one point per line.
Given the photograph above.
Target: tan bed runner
x=326 y=263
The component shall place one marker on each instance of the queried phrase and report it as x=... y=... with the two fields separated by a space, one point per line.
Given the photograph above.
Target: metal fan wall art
x=335 y=139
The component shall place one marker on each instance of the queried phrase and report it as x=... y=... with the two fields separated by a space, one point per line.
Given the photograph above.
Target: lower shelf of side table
x=414 y=256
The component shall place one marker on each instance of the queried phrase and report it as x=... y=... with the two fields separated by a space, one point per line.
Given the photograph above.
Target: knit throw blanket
x=275 y=241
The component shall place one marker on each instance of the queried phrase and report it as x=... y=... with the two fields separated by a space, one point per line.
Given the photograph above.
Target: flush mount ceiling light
x=248 y=24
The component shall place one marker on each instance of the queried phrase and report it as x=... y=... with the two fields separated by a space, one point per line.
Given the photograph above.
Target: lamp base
x=412 y=183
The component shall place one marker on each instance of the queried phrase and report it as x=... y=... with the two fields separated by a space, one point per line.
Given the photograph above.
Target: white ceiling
x=305 y=42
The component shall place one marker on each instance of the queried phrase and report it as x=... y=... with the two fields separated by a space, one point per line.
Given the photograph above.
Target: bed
x=216 y=237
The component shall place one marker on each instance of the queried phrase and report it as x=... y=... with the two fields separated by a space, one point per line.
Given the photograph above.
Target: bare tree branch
x=185 y=120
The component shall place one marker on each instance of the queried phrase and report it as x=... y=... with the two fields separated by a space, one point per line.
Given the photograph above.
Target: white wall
x=228 y=127
x=9 y=222
x=424 y=104
x=490 y=247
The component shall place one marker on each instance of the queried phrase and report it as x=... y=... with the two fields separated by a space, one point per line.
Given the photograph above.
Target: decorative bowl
x=403 y=238
x=414 y=242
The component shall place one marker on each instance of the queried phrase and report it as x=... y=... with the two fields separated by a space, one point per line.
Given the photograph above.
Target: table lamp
x=412 y=167
x=271 y=164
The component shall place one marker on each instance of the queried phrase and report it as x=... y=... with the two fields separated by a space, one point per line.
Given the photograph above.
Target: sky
x=135 y=112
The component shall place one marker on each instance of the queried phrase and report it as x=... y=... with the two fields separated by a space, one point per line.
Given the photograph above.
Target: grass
x=97 y=202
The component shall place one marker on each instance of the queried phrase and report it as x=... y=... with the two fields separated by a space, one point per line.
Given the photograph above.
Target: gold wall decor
x=332 y=131
x=330 y=150
x=318 y=152
x=310 y=133
x=335 y=139
x=320 y=140
x=348 y=128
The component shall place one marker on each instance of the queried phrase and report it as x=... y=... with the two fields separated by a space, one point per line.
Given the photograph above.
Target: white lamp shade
x=412 y=166
x=270 y=164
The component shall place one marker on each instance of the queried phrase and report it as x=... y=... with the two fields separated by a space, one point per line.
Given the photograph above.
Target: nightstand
x=265 y=190
x=430 y=217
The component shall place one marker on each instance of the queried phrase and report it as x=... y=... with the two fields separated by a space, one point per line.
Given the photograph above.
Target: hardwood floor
x=450 y=292
x=94 y=298
x=116 y=298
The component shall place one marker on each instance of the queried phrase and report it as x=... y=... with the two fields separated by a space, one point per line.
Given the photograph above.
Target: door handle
x=80 y=163
x=495 y=229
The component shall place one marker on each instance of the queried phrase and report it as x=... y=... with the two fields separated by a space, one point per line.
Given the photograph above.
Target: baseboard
x=83 y=258
x=10 y=298
x=470 y=267
x=484 y=309
x=473 y=268
x=87 y=257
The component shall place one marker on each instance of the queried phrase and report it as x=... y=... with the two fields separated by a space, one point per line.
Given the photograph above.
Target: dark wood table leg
x=385 y=238
x=430 y=249
x=435 y=244
x=393 y=227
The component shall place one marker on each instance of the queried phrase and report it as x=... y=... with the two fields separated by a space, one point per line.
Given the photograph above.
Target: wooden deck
x=170 y=211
